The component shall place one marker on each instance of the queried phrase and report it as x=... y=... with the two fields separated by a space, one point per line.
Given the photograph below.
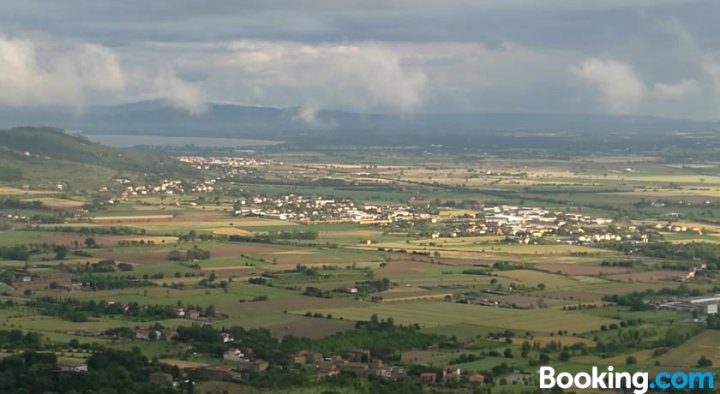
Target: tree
x=544 y=359
x=90 y=242
x=61 y=252
x=704 y=362
x=630 y=360
x=210 y=311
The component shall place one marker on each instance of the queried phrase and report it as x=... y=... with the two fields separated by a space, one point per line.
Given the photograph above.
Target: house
x=233 y=354
x=147 y=335
x=193 y=315
x=161 y=378
x=356 y=368
x=359 y=355
x=72 y=367
x=476 y=379
x=226 y=337
x=389 y=372
x=516 y=377
x=451 y=375
x=297 y=359
x=428 y=378
x=260 y=365
x=327 y=370
x=306 y=357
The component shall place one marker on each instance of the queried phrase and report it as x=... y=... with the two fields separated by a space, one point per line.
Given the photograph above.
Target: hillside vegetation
x=43 y=157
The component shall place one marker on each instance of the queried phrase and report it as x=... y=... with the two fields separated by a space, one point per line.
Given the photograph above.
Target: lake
x=127 y=141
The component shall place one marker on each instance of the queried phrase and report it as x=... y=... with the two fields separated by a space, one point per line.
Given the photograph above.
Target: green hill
x=46 y=157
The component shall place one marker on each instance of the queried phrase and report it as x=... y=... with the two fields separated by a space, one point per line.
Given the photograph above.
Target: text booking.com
x=638 y=382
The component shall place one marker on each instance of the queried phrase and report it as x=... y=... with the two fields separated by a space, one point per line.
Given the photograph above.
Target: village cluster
x=314 y=208
x=222 y=162
x=164 y=187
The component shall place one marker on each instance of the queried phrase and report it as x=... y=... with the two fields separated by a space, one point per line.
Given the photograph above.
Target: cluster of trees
x=373 y=286
x=302 y=235
x=383 y=338
x=108 y=266
x=478 y=271
x=713 y=321
x=274 y=236
x=636 y=300
x=703 y=251
x=108 y=282
x=15 y=252
x=189 y=255
x=16 y=339
x=108 y=370
x=622 y=263
x=21 y=252
x=311 y=291
x=15 y=203
x=258 y=280
x=88 y=231
x=80 y=311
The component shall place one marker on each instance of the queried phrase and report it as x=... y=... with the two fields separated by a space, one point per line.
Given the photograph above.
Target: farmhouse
x=72 y=367
x=306 y=357
x=428 y=378
x=233 y=355
x=476 y=379
x=147 y=335
x=161 y=378
x=327 y=370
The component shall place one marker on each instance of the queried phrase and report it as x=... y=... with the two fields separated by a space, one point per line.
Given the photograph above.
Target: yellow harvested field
x=231 y=231
x=6 y=190
x=130 y=219
x=58 y=202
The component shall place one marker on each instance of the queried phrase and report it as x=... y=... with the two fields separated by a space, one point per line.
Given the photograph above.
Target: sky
x=651 y=57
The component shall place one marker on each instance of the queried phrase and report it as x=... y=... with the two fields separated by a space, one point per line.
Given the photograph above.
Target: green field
x=438 y=314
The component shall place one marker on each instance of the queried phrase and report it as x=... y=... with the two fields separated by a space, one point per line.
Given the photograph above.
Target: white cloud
x=66 y=77
x=361 y=76
x=623 y=91
x=620 y=87
x=309 y=116
x=179 y=93
x=712 y=70
x=677 y=90
x=43 y=72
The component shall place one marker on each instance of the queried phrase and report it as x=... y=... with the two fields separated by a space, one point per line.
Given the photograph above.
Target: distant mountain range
x=297 y=124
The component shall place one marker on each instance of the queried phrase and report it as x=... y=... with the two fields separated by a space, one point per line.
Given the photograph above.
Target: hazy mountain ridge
x=225 y=120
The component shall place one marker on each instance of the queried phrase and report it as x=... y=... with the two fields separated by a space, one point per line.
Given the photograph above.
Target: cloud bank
x=409 y=56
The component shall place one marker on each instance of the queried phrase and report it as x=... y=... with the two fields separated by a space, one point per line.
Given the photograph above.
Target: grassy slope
x=46 y=157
